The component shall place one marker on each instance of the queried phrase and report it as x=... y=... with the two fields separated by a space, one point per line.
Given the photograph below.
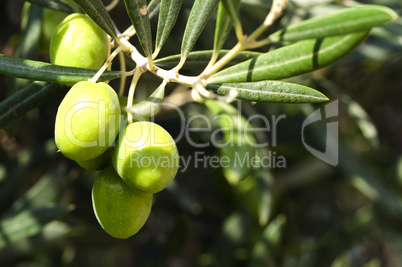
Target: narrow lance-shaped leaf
x=28 y=45
x=342 y=22
x=149 y=106
x=29 y=222
x=29 y=42
x=41 y=71
x=169 y=11
x=200 y=59
x=138 y=13
x=97 y=11
x=222 y=29
x=197 y=20
x=270 y=91
x=291 y=60
x=232 y=7
x=53 y=4
x=238 y=141
x=153 y=8
x=18 y=104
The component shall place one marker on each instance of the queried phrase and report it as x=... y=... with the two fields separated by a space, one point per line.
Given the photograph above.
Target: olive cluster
x=135 y=160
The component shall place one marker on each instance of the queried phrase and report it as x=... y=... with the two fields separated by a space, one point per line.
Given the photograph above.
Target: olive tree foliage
x=253 y=70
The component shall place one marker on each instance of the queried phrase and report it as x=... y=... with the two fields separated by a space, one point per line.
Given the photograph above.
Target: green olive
x=87 y=121
x=146 y=156
x=79 y=42
x=98 y=163
x=121 y=210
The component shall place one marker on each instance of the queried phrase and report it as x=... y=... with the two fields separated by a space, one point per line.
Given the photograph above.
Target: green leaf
x=197 y=20
x=167 y=18
x=53 y=4
x=149 y=106
x=28 y=46
x=200 y=59
x=138 y=12
x=41 y=71
x=153 y=8
x=18 y=104
x=238 y=142
x=232 y=8
x=291 y=60
x=223 y=27
x=343 y=22
x=270 y=91
x=97 y=11
x=29 y=222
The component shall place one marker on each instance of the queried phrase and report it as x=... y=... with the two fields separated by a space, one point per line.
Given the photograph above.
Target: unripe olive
x=120 y=209
x=98 y=163
x=87 y=121
x=146 y=156
x=79 y=42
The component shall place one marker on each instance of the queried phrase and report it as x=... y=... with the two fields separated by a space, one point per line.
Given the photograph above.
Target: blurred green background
x=307 y=214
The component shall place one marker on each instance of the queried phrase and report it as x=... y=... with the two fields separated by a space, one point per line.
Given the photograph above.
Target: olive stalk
x=278 y=6
x=137 y=74
x=106 y=64
x=112 y=5
x=196 y=82
x=123 y=78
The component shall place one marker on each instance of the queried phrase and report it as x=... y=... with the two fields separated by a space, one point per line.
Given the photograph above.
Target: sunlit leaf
x=345 y=21
x=168 y=13
x=138 y=13
x=292 y=60
x=198 y=18
x=232 y=8
x=223 y=27
x=97 y=11
x=270 y=91
x=28 y=46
